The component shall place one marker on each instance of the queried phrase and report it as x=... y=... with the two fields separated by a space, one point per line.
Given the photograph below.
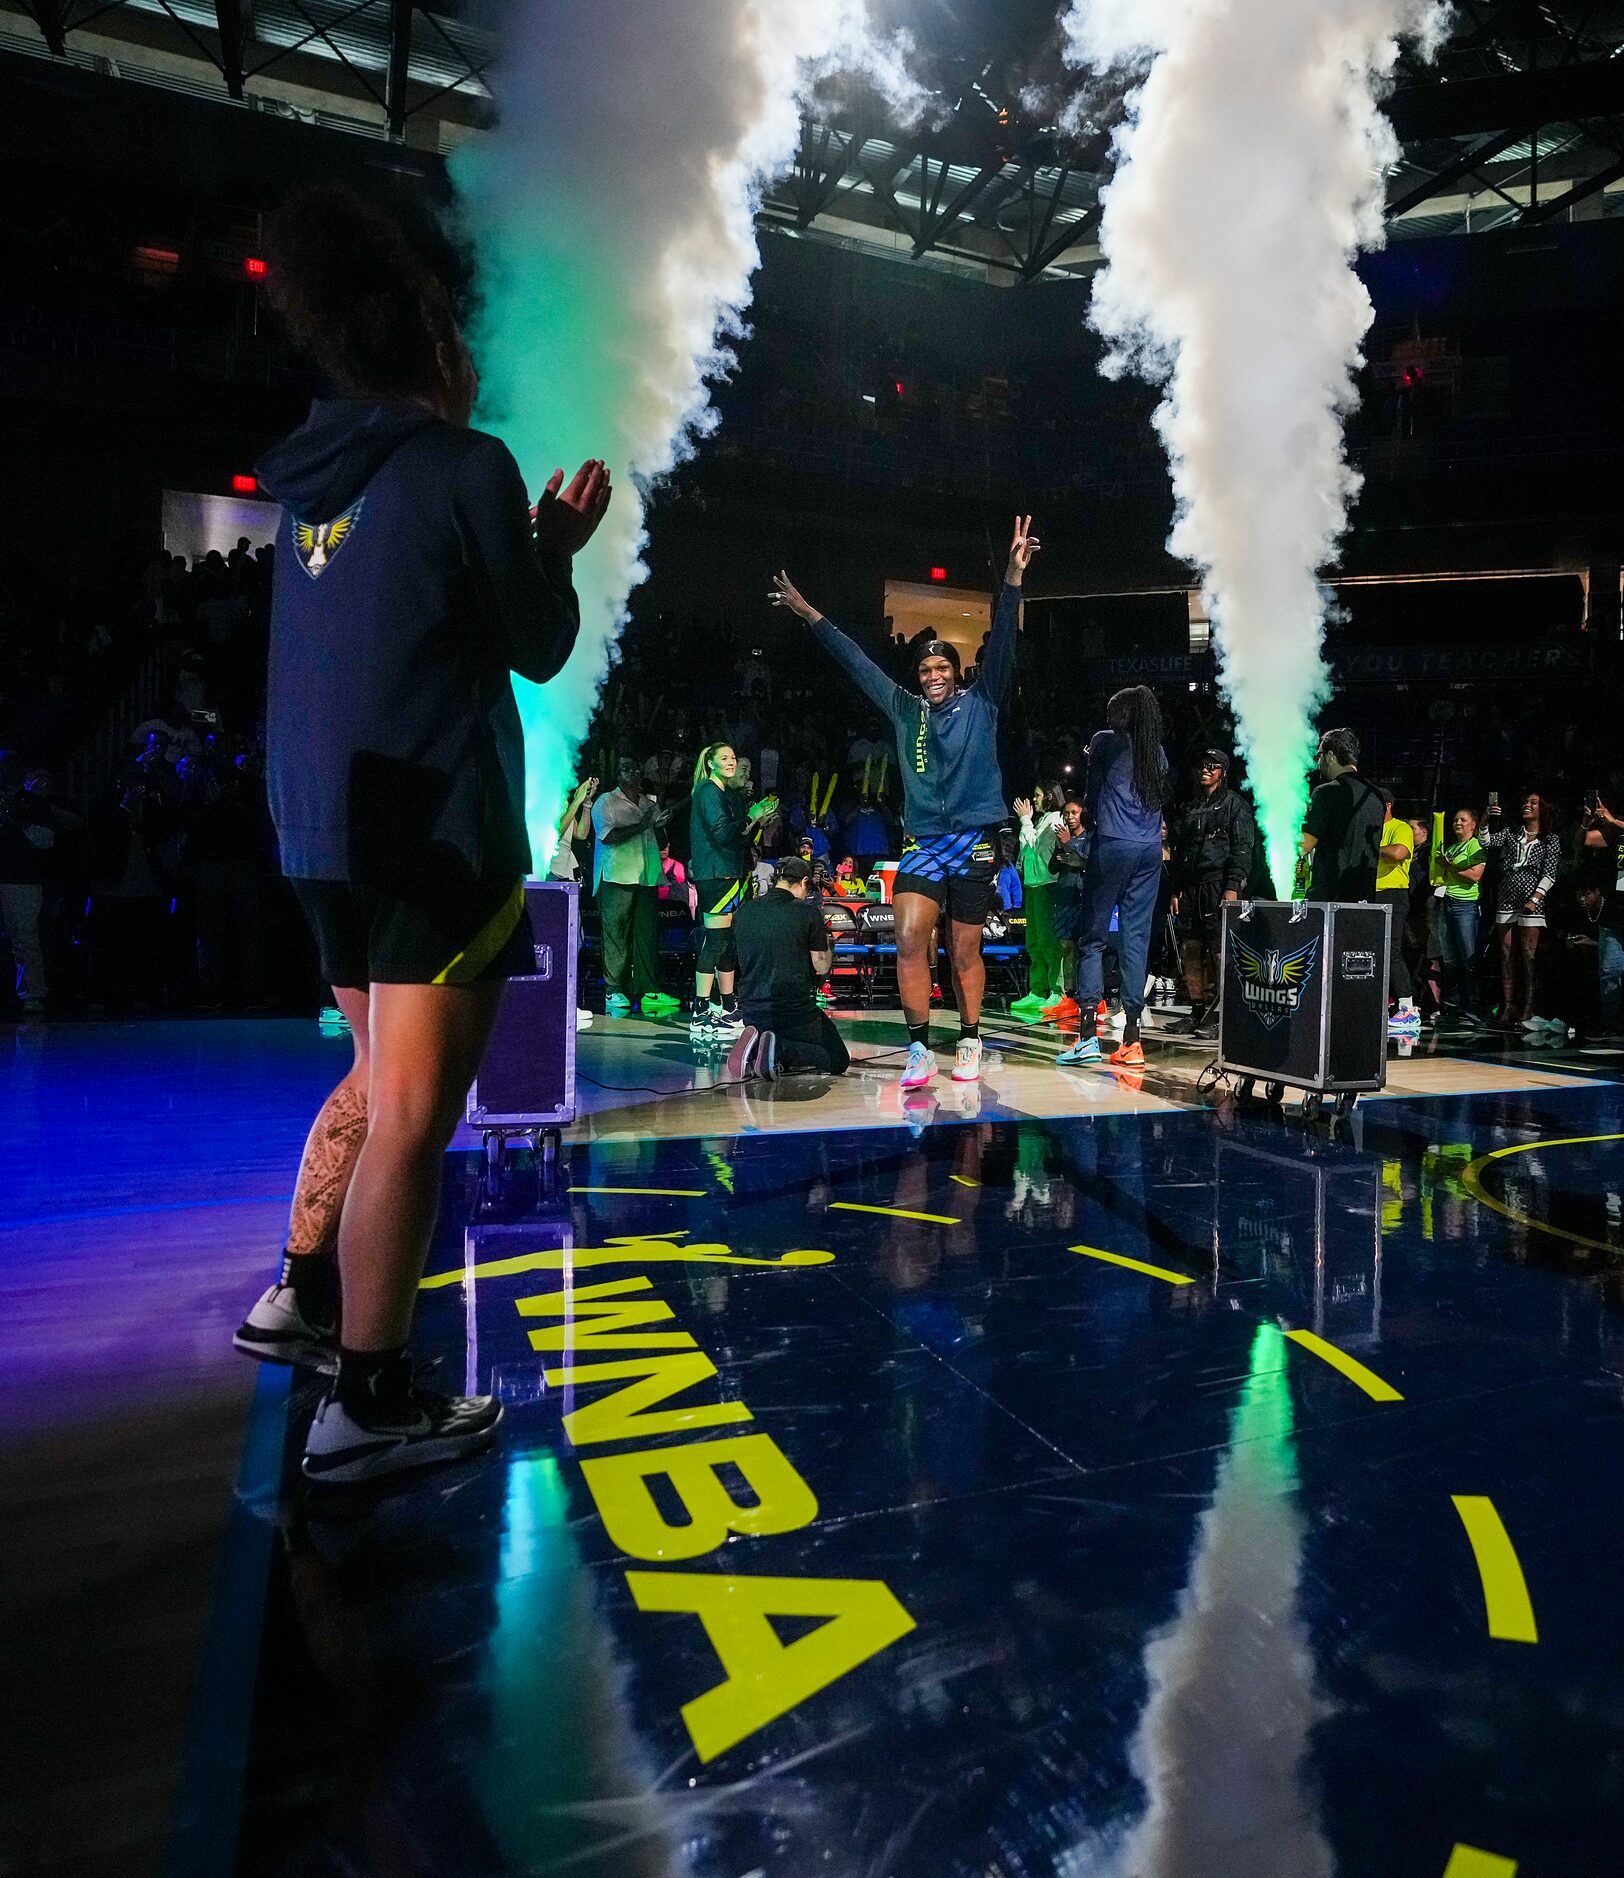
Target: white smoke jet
x=1249 y=175
x=612 y=214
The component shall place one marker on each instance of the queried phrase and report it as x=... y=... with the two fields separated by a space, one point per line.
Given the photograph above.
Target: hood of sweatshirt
x=335 y=453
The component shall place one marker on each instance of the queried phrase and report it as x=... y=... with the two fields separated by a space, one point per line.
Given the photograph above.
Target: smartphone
x=1494 y=798
x=1592 y=802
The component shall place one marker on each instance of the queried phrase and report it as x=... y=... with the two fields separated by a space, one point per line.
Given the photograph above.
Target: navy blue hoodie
x=408 y=586
x=949 y=752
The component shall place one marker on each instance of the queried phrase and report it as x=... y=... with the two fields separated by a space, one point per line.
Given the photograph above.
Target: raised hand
x=1023 y=545
x=566 y=519
x=1022 y=806
x=784 y=593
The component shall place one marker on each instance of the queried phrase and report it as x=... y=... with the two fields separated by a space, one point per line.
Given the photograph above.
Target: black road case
x=526 y=1080
x=1303 y=997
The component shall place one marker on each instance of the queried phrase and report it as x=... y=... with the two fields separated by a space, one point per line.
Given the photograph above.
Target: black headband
x=938 y=649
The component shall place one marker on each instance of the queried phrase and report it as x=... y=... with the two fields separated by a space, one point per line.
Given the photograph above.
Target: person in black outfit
x=412 y=577
x=784 y=955
x=1212 y=861
x=1342 y=832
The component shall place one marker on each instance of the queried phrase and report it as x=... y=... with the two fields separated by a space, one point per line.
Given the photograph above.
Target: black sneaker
x=343 y=1451
x=277 y=1331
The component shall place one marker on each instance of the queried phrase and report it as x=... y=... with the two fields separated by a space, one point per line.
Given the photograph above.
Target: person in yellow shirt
x=1393 y=887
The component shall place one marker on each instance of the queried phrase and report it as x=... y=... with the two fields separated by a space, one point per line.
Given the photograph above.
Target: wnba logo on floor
x=1272 y=981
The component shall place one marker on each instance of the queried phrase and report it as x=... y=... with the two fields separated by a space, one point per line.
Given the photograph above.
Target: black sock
x=1130 y=1027
x=730 y=1002
x=967 y=1029
x=314 y=1279
x=375 y=1385
x=920 y=1033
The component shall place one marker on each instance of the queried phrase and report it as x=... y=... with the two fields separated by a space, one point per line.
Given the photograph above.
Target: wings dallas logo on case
x=1273 y=982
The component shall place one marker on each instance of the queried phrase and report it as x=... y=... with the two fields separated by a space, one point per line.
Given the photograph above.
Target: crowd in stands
x=147 y=882
x=153 y=885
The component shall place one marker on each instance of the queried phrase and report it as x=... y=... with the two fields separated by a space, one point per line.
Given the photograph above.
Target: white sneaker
x=341 y=1451
x=920 y=1067
x=725 y=1025
x=583 y=1019
x=967 y=1060
x=277 y=1331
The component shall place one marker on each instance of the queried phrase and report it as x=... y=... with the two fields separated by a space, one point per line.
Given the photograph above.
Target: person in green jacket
x=1455 y=870
x=1040 y=817
x=720 y=825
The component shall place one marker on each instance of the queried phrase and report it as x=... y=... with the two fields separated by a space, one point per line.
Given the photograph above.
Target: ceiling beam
x=1553 y=206
x=232 y=20
x=400 y=56
x=1452 y=172
x=1554 y=94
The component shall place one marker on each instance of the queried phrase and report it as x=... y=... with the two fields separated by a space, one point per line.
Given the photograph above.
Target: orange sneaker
x=1127 y=1056
x=1062 y=1011
x=1102 y=1010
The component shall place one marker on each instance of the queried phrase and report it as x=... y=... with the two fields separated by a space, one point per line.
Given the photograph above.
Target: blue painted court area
x=1184 y=1493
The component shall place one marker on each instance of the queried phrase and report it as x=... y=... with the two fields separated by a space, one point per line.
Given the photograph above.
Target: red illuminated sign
x=244 y=485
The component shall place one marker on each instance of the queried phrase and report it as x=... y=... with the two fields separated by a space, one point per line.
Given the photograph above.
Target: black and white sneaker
x=343 y=1451
x=725 y=1024
x=277 y=1331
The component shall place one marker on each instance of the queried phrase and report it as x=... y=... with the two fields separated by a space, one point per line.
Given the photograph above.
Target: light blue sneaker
x=617 y=1004
x=920 y=1067
x=1084 y=1050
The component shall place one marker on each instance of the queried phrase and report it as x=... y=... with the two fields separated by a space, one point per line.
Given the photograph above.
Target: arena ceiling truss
x=1518 y=122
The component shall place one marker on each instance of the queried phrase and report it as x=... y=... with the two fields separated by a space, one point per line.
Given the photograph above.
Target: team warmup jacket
x=948 y=753
x=408 y=586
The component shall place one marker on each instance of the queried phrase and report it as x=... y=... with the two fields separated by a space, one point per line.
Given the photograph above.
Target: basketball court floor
x=1082 y=1475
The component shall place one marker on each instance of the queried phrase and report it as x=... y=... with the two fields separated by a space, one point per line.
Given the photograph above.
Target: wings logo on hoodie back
x=316 y=543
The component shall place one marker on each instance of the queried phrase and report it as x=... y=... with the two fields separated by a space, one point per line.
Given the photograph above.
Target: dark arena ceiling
x=1520 y=119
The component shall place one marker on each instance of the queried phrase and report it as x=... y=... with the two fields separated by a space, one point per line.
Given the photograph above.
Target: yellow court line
x=1466 y=1861
x=1505 y=1591
x=1354 y=1370
x=669 y=1193
x=1132 y=1265
x=964 y=1180
x=1472 y=1181
x=893 y=1212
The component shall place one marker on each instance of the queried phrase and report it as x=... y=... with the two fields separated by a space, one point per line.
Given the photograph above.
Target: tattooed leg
x=335 y=1140
x=329 y=1160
